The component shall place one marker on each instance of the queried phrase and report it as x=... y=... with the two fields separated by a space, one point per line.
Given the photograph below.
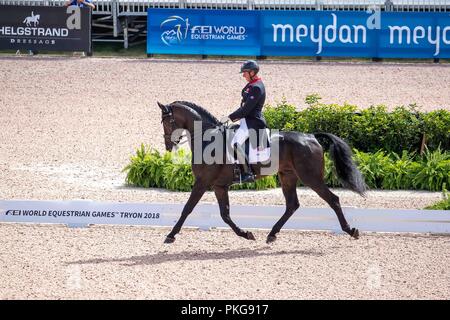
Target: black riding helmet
x=250 y=65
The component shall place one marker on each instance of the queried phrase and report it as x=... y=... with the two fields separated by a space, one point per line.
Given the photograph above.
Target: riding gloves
x=225 y=119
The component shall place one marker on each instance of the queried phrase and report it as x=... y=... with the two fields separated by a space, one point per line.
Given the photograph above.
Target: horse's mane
x=204 y=114
x=185 y=107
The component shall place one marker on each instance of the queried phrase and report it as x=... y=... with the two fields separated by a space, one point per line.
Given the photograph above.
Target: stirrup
x=247 y=178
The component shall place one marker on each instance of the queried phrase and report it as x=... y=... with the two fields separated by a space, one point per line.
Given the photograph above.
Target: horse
x=300 y=158
x=33 y=18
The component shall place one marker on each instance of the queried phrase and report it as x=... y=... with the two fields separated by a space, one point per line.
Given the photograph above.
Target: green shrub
x=281 y=117
x=373 y=167
x=330 y=172
x=437 y=128
x=367 y=130
x=330 y=118
x=312 y=99
x=397 y=173
x=149 y=169
x=145 y=168
x=432 y=171
x=178 y=173
x=443 y=204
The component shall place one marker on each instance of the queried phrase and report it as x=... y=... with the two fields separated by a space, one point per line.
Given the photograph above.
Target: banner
x=81 y=213
x=45 y=28
x=218 y=32
x=371 y=34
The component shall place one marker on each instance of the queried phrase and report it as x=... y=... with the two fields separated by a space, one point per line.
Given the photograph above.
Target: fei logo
x=178 y=31
x=33 y=18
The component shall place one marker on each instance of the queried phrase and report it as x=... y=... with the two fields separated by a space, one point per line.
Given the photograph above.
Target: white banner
x=83 y=213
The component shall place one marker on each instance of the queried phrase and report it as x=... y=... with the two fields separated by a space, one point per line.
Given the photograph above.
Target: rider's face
x=247 y=75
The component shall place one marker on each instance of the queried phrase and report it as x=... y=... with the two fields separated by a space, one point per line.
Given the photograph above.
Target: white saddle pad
x=260 y=154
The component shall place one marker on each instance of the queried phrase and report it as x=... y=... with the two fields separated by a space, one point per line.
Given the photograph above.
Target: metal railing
x=102 y=6
x=133 y=7
x=117 y=14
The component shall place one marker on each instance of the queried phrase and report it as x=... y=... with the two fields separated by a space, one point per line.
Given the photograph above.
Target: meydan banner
x=45 y=28
x=371 y=34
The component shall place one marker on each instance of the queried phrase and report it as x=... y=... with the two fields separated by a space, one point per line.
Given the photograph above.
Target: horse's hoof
x=271 y=239
x=169 y=240
x=250 y=236
x=355 y=233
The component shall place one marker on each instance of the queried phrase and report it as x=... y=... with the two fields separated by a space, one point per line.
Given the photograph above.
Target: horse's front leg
x=224 y=205
x=197 y=192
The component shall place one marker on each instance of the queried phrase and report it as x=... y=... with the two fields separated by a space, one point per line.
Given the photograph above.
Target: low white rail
x=206 y=216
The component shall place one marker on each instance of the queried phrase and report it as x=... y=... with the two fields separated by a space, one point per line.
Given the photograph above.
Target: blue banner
x=371 y=34
x=216 y=32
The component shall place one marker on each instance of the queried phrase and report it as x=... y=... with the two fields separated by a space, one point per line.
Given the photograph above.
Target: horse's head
x=172 y=132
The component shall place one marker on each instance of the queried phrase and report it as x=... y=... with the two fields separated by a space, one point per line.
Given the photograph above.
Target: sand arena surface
x=54 y=262
x=69 y=126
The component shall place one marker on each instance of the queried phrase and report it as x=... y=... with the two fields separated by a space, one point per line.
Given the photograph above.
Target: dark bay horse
x=300 y=157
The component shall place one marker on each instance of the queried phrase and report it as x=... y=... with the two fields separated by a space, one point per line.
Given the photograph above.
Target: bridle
x=169 y=114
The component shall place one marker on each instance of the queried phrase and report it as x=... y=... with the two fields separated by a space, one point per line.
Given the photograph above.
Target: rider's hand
x=225 y=119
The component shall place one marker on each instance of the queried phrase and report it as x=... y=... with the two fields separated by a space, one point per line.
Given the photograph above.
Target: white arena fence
x=82 y=213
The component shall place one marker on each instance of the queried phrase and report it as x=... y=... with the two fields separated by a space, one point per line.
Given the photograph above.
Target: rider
x=80 y=3
x=249 y=113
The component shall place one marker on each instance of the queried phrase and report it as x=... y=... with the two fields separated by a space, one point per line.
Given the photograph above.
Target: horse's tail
x=347 y=172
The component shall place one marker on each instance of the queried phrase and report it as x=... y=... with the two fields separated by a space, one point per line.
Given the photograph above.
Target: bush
x=149 y=169
x=443 y=204
x=381 y=170
x=367 y=130
x=437 y=127
x=172 y=171
x=409 y=171
x=432 y=171
x=373 y=167
x=281 y=117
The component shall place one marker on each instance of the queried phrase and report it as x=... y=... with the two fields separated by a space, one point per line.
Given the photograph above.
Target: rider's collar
x=256 y=78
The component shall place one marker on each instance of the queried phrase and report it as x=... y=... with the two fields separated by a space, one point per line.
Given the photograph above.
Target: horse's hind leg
x=312 y=176
x=288 y=185
x=197 y=192
x=333 y=200
x=224 y=205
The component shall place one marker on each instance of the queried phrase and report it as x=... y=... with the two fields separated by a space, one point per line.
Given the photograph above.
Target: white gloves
x=225 y=119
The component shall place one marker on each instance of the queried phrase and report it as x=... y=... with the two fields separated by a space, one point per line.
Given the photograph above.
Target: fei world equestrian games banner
x=371 y=34
x=45 y=28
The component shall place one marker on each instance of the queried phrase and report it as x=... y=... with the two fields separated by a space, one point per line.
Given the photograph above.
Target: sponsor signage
x=230 y=32
x=371 y=34
x=45 y=28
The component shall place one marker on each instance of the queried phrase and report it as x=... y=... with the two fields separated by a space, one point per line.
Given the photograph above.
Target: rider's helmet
x=250 y=65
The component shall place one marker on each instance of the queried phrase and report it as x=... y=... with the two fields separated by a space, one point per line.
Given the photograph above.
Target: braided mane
x=205 y=114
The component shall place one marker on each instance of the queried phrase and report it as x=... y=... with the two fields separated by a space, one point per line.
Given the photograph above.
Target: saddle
x=256 y=149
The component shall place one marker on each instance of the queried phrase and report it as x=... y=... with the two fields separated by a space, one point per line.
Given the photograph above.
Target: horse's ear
x=163 y=107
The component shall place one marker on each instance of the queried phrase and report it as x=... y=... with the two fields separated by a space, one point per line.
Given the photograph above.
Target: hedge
x=382 y=170
x=367 y=130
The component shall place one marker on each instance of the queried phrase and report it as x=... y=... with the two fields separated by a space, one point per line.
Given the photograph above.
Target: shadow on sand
x=163 y=256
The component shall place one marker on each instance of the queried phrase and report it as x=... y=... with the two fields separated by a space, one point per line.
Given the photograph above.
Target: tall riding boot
x=247 y=175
